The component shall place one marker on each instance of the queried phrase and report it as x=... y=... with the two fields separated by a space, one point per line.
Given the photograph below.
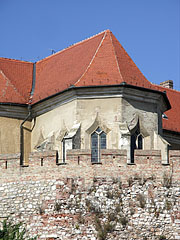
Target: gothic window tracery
x=136 y=142
x=98 y=142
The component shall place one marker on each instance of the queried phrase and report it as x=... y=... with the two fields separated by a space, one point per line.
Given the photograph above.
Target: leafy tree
x=12 y=231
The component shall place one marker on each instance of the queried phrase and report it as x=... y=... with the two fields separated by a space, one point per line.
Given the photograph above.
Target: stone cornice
x=128 y=92
x=147 y=96
x=17 y=111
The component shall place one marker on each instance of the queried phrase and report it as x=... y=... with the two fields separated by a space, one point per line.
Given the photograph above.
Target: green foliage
x=162 y=237
x=123 y=220
x=80 y=218
x=57 y=206
x=167 y=181
x=111 y=217
x=130 y=181
x=110 y=195
x=142 y=200
x=41 y=210
x=114 y=180
x=12 y=231
x=118 y=208
x=95 y=179
x=103 y=229
x=168 y=205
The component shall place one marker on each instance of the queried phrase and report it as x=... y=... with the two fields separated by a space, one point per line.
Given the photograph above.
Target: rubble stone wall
x=81 y=200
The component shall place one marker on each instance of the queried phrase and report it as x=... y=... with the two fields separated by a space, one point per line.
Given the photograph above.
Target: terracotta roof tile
x=129 y=71
x=99 y=60
x=19 y=73
x=173 y=121
x=112 y=65
x=103 y=68
x=8 y=92
x=65 y=68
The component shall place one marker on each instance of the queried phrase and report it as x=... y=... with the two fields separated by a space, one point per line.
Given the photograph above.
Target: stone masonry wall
x=81 y=200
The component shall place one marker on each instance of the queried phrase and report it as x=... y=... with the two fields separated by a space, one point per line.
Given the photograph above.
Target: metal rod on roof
x=33 y=79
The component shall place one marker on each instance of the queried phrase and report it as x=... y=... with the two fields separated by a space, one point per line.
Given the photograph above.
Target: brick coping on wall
x=45 y=165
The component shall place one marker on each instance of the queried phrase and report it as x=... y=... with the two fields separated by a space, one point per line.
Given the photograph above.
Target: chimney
x=167 y=84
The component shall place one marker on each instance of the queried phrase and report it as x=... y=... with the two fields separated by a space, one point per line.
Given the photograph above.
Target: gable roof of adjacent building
x=97 y=61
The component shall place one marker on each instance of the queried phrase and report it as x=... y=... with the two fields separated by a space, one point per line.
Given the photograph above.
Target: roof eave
x=123 y=84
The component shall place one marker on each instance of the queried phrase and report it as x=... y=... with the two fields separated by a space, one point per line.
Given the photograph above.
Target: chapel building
x=90 y=95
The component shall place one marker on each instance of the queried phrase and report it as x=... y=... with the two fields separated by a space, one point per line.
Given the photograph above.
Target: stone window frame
x=99 y=133
x=137 y=141
x=63 y=153
x=69 y=135
x=134 y=143
x=97 y=123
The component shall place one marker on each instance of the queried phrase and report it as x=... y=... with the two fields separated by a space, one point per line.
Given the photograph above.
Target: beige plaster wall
x=53 y=123
x=10 y=136
x=146 y=111
x=108 y=112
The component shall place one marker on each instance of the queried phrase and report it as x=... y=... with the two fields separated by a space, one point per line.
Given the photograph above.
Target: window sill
x=98 y=163
x=61 y=163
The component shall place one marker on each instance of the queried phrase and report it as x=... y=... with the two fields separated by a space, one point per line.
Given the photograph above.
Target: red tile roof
x=173 y=121
x=17 y=75
x=112 y=65
x=65 y=68
x=8 y=92
x=99 y=60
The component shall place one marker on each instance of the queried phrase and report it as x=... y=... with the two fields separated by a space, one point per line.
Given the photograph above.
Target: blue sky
x=149 y=30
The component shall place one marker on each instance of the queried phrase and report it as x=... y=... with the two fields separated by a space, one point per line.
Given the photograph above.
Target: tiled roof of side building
x=16 y=81
x=172 y=123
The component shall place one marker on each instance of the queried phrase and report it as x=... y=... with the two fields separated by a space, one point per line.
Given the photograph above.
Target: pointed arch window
x=64 y=148
x=136 y=142
x=98 y=142
x=71 y=140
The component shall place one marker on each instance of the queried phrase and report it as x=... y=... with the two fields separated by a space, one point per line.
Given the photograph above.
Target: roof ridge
x=92 y=59
x=73 y=45
x=12 y=85
x=130 y=59
x=173 y=90
x=15 y=60
x=116 y=57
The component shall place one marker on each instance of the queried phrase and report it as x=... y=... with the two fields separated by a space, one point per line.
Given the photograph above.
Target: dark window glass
x=103 y=140
x=133 y=147
x=98 y=130
x=64 y=154
x=94 y=147
x=136 y=143
x=98 y=141
x=140 y=142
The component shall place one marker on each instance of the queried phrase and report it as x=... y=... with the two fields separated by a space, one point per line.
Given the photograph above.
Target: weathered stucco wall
x=10 y=136
x=80 y=200
x=108 y=113
x=53 y=123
